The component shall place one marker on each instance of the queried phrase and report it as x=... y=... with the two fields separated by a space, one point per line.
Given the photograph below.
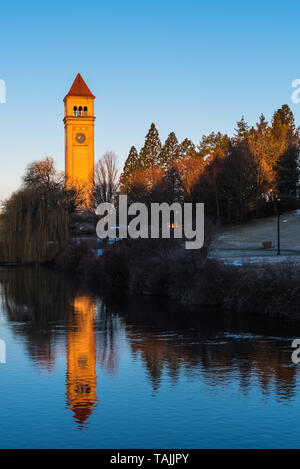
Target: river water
x=88 y=372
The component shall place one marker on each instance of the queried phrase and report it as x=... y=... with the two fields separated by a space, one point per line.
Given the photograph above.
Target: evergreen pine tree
x=173 y=186
x=242 y=131
x=214 y=145
x=214 y=149
x=131 y=164
x=186 y=148
x=285 y=150
x=283 y=116
x=169 y=152
x=262 y=126
x=149 y=154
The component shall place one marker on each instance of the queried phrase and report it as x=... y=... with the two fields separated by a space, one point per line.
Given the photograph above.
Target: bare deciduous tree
x=42 y=172
x=106 y=178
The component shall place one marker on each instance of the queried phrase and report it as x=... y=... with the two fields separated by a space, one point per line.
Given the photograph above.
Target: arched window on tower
x=75 y=111
x=85 y=111
x=80 y=111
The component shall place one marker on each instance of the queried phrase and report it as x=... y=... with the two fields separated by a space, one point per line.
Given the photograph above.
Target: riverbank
x=164 y=268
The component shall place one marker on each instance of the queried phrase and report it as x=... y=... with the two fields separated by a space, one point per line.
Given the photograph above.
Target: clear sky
x=190 y=66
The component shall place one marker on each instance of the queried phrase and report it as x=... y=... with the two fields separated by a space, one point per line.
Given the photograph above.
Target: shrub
x=72 y=258
x=163 y=267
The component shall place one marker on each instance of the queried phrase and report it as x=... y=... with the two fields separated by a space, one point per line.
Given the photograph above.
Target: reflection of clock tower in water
x=81 y=377
x=79 y=133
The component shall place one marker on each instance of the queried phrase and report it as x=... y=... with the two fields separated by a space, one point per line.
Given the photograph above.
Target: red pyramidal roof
x=80 y=88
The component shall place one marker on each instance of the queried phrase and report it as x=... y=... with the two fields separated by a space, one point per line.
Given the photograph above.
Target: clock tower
x=79 y=135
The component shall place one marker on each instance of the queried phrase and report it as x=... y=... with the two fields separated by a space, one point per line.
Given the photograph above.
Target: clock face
x=80 y=138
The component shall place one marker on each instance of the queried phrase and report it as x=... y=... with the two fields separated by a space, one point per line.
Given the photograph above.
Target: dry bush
x=273 y=290
x=73 y=258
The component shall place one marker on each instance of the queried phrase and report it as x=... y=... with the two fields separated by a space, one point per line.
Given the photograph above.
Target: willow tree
x=35 y=219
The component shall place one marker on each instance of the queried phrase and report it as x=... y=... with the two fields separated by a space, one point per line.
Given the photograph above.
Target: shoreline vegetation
x=250 y=175
x=163 y=268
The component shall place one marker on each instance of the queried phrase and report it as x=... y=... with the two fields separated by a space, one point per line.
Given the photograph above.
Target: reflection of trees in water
x=110 y=330
x=39 y=299
x=34 y=294
x=38 y=302
x=200 y=348
x=218 y=362
x=196 y=346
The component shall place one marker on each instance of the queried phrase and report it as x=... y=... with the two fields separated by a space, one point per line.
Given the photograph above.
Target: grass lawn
x=242 y=243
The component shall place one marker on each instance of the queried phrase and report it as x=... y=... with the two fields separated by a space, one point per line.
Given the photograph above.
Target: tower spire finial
x=80 y=88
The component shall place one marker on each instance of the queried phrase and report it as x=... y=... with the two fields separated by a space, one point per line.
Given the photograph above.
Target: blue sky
x=190 y=66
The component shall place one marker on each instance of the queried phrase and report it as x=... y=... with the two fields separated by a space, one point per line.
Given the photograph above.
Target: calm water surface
x=86 y=372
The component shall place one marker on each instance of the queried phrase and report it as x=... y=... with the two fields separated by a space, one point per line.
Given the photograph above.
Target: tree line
x=234 y=177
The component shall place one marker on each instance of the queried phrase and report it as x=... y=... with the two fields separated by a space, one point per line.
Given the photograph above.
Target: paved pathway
x=242 y=243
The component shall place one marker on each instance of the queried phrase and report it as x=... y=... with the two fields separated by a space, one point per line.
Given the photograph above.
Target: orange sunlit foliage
x=189 y=169
x=147 y=178
x=142 y=183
